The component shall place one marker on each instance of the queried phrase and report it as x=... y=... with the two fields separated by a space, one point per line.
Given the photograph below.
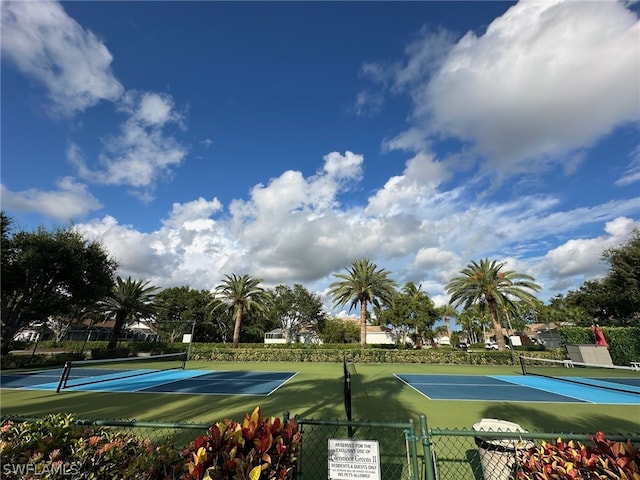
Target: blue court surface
x=524 y=388
x=205 y=382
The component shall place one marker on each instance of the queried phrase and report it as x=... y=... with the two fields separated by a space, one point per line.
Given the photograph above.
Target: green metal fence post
x=412 y=451
x=429 y=458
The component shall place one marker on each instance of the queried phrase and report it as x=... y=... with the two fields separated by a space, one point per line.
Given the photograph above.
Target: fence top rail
x=618 y=437
x=354 y=423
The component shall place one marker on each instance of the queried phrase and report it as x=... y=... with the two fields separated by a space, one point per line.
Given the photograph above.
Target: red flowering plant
x=572 y=460
x=257 y=449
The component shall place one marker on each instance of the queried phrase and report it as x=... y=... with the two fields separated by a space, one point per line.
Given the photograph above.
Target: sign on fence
x=354 y=459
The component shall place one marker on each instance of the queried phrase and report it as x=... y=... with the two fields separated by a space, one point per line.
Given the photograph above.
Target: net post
x=63 y=378
x=184 y=361
x=347 y=390
x=347 y=395
x=522 y=367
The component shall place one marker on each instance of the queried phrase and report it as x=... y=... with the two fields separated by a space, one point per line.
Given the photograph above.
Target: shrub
x=211 y=352
x=13 y=361
x=573 y=460
x=55 y=447
x=624 y=342
x=105 y=353
x=259 y=448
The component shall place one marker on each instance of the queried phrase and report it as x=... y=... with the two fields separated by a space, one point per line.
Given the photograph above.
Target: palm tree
x=446 y=312
x=130 y=300
x=484 y=283
x=363 y=284
x=474 y=321
x=240 y=295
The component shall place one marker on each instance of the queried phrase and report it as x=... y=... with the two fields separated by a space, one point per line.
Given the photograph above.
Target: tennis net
x=611 y=377
x=84 y=372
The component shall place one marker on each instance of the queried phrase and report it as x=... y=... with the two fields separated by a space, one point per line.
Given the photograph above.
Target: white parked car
x=493 y=346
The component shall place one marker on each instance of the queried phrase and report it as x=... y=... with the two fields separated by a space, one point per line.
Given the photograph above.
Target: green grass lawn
x=317 y=392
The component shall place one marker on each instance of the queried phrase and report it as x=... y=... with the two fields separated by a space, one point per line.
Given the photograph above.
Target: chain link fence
x=490 y=455
x=397 y=443
x=407 y=451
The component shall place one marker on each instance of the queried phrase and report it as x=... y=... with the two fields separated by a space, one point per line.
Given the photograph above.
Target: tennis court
x=514 y=388
x=165 y=377
x=542 y=380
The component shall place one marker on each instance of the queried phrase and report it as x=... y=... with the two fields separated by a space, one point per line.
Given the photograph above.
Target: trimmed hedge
x=10 y=362
x=624 y=342
x=624 y=347
x=206 y=352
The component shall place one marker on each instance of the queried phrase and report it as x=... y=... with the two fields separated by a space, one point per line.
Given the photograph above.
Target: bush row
x=624 y=342
x=624 y=347
x=262 y=353
x=10 y=362
x=205 y=352
x=76 y=346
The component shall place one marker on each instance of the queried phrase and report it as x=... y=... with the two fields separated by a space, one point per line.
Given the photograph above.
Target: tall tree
x=49 y=273
x=337 y=330
x=473 y=322
x=129 y=301
x=614 y=299
x=364 y=283
x=220 y=319
x=561 y=310
x=485 y=283
x=412 y=312
x=241 y=295
x=623 y=279
x=181 y=310
x=293 y=308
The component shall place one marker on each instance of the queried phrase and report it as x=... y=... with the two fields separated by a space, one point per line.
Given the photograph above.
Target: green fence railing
x=408 y=450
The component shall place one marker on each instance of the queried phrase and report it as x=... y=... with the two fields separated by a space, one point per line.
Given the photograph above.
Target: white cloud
x=545 y=79
x=417 y=185
x=433 y=257
x=368 y=103
x=292 y=192
x=75 y=68
x=71 y=62
x=142 y=152
x=150 y=109
x=343 y=167
x=292 y=231
x=192 y=212
x=70 y=201
x=189 y=249
x=632 y=174
x=583 y=257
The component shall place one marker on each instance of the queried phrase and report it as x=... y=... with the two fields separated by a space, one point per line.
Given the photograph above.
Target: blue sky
x=286 y=139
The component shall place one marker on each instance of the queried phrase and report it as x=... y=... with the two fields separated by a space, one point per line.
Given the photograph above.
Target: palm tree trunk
x=236 y=328
x=363 y=323
x=497 y=328
x=117 y=330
